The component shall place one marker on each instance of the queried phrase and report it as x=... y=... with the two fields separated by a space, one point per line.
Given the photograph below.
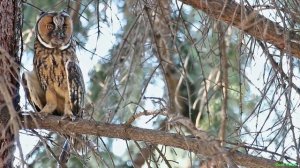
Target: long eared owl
x=56 y=82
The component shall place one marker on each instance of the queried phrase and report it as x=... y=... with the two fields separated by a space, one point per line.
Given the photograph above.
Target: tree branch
x=250 y=21
x=81 y=126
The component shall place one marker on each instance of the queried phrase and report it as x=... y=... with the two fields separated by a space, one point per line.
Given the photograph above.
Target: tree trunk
x=10 y=32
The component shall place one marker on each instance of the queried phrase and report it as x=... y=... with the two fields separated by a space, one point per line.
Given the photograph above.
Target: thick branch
x=248 y=20
x=195 y=145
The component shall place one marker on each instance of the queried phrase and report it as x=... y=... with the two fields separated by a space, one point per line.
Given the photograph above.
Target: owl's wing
x=33 y=90
x=76 y=87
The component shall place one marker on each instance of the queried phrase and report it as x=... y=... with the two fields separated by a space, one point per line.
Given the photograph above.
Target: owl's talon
x=70 y=116
x=73 y=118
x=42 y=115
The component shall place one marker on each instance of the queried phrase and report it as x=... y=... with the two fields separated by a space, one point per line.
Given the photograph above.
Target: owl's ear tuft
x=65 y=12
x=42 y=12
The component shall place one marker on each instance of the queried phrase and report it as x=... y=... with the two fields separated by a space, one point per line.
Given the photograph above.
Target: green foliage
x=97 y=77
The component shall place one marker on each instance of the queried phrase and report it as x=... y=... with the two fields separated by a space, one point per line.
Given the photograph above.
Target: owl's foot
x=48 y=109
x=43 y=114
x=68 y=115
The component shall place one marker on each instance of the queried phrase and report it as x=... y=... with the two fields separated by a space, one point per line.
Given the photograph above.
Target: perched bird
x=56 y=83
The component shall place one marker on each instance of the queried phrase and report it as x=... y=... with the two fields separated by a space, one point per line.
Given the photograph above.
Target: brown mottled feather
x=50 y=67
x=75 y=86
x=33 y=90
x=55 y=86
x=56 y=65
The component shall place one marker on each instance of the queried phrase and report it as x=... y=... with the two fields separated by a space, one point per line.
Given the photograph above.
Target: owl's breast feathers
x=56 y=70
x=50 y=65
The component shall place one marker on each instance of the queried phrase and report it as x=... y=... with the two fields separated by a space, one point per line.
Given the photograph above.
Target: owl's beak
x=59 y=34
x=58 y=37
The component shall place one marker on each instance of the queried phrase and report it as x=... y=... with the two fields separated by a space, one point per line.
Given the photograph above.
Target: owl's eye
x=65 y=26
x=50 y=26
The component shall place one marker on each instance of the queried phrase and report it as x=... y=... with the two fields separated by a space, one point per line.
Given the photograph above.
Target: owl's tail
x=64 y=155
x=77 y=144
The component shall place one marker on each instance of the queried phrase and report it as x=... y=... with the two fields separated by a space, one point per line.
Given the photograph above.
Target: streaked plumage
x=56 y=71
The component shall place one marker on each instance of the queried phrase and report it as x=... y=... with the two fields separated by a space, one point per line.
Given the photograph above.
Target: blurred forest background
x=172 y=60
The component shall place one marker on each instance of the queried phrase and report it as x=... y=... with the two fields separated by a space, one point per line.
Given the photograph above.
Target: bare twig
x=224 y=81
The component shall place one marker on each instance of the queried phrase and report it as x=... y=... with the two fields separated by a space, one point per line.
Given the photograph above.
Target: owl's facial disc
x=55 y=30
x=58 y=34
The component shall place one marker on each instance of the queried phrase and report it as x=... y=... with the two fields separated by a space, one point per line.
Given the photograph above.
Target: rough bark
x=251 y=22
x=10 y=21
x=196 y=145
